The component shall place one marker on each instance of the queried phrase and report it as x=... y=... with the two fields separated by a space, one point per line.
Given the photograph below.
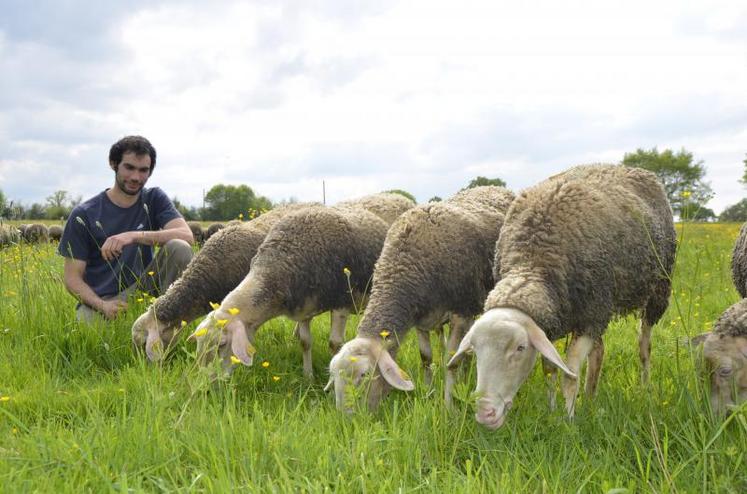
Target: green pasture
x=80 y=412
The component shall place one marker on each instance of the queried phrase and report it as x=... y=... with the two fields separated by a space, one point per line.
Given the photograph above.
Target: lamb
x=574 y=250
x=36 y=233
x=312 y=261
x=436 y=261
x=215 y=270
x=55 y=232
x=386 y=205
x=197 y=232
x=725 y=348
x=213 y=229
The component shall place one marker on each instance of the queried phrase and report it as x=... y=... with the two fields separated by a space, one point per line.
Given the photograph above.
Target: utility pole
x=324 y=193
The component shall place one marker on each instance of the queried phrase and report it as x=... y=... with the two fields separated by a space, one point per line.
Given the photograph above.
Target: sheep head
x=726 y=362
x=360 y=363
x=221 y=335
x=152 y=335
x=505 y=343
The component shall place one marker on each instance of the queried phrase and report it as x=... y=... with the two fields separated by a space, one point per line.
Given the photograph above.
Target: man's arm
x=176 y=228
x=74 y=283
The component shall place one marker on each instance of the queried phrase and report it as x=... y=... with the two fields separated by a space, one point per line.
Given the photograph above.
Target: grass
x=79 y=411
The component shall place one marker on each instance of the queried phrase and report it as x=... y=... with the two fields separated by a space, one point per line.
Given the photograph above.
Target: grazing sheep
x=574 y=251
x=213 y=229
x=55 y=233
x=36 y=233
x=436 y=261
x=312 y=261
x=386 y=205
x=725 y=348
x=197 y=232
x=22 y=228
x=9 y=235
x=214 y=271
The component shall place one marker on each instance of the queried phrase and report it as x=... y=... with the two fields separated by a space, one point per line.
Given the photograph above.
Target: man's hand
x=114 y=245
x=110 y=308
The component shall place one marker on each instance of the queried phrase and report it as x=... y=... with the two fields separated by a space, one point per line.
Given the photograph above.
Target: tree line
x=681 y=175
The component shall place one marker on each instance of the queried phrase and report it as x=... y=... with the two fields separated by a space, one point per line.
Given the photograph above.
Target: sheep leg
x=458 y=327
x=594 y=367
x=551 y=375
x=426 y=353
x=337 y=320
x=304 y=336
x=577 y=352
x=644 y=348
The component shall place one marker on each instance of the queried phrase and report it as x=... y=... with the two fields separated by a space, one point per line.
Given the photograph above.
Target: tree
x=403 y=193
x=190 y=213
x=479 y=181
x=225 y=202
x=3 y=206
x=35 y=212
x=736 y=212
x=435 y=199
x=59 y=205
x=696 y=212
x=744 y=177
x=682 y=179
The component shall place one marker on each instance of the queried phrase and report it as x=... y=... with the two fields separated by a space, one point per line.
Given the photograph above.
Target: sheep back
x=584 y=245
x=739 y=262
x=386 y=205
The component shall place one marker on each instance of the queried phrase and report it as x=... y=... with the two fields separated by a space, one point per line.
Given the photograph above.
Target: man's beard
x=123 y=187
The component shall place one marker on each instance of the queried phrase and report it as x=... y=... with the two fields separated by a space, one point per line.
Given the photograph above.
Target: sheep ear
x=542 y=343
x=741 y=342
x=240 y=345
x=154 y=345
x=330 y=384
x=697 y=340
x=465 y=348
x=393 y=374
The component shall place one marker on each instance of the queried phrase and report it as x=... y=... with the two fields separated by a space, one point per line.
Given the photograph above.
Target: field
x=79 y=411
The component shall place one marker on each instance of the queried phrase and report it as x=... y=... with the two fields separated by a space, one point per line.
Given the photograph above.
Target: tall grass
x=80 y=412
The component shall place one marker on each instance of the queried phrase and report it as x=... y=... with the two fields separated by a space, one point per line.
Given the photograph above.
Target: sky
x=364 y=96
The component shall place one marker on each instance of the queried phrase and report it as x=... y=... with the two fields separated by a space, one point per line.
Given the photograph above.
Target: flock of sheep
x=34 y=233
x=508 y=274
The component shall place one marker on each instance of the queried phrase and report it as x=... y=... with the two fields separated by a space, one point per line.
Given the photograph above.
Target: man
x=108 y=240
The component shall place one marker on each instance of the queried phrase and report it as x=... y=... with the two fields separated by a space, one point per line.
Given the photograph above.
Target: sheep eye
x=521 y=348
x=724 y=371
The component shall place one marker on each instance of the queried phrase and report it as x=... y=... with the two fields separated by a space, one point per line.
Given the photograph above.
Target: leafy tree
x=744 y=177
x=478 y=181
x=435 y=199
x=681 y=177
x=35 y=212
x=225 y=202
x=736 y=212
x=403 y=193
x=190 y=213
x=696 y=212
x=3 y=205
x=59 y=205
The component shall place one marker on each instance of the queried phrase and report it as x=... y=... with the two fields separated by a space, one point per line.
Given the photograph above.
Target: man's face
x=132 y=173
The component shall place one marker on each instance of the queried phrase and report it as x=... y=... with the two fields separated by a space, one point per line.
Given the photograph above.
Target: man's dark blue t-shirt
x=98 y=218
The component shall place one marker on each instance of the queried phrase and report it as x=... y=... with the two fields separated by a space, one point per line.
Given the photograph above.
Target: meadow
x=80 y=411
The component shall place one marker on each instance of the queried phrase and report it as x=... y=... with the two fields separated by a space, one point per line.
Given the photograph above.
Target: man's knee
x=179 y=252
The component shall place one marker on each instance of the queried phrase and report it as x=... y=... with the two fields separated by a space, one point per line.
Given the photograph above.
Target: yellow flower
x=214 y=306
x=184 y=323
x=221 y=322
x=4 y=398
x=139 y=299
x=384 y=333
x=353 y=359
x=241 y=216
x=235 y=360
x=346 y=271
x=14 y=430
x=233 y=311
x=686 y=194
x=276 y=378
x=151 y=273
x=265 y=364
x=200 y=332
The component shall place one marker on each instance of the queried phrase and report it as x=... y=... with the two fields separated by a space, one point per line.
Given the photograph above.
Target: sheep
x=9 y=235
x=436 y=261
x=212 y=229
x=725 y=347
x=386 y=205
x=197 y=232
x=313 y=260
x=55 y=232
x=574 y=250
x=216 y=269
x=36 y=233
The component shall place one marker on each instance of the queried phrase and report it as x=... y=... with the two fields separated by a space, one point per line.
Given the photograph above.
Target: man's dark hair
x=132 y=144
